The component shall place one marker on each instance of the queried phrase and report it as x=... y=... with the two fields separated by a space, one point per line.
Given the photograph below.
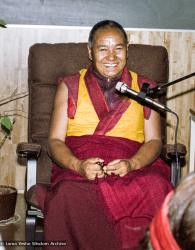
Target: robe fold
x=106 y=213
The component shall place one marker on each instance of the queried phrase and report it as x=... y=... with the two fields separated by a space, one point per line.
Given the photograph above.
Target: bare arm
x=148 y=152
x=61 y=154
x=58 y=127
x=151 y=149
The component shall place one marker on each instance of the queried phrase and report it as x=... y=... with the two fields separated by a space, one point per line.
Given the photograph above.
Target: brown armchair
x=47 y=62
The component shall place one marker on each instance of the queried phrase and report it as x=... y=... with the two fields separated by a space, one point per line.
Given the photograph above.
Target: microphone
x=124 y=89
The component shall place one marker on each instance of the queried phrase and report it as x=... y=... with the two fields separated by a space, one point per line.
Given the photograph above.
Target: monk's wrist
x=75 y=164
x=134 y=164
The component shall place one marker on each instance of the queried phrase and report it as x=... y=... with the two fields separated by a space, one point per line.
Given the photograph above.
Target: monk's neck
x=107 y=80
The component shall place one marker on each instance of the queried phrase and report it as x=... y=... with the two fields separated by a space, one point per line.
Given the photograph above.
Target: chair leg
x=30 y=231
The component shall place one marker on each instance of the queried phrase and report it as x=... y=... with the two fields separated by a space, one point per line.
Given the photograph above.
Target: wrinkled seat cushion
x=35 y=200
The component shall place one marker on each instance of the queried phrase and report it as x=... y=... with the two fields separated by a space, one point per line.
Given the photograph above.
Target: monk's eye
x=119 y=48
x=102 y=49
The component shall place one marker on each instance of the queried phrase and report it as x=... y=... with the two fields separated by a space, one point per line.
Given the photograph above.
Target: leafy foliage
x=6 y=126
x=6 y=123
x=2 y=23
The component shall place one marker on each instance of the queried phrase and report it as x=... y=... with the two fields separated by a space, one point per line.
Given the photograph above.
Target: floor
x=15 y=233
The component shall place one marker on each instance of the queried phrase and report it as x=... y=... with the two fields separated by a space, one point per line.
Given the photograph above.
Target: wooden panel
x=181 y=96
x=14 y=45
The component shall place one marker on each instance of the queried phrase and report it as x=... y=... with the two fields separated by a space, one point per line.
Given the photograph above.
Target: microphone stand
x=176 y=159
x=156 y=89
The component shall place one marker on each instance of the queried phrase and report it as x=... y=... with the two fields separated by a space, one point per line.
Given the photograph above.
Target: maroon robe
x=108 y=213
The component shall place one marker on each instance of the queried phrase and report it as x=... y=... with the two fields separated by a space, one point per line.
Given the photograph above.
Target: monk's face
x=109 y=52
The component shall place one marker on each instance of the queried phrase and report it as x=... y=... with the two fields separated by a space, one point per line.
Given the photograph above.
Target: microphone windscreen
x=118 y=85
x=121 y=86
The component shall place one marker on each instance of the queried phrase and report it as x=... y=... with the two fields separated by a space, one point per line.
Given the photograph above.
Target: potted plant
x=8 y=194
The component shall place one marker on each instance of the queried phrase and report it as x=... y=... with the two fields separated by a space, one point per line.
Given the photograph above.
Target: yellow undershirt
x=130 y=125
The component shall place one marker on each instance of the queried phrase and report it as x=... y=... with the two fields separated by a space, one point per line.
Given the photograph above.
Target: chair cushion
x=32 y=199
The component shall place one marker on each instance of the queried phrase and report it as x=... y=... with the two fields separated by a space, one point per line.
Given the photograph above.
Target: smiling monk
x=107 y=179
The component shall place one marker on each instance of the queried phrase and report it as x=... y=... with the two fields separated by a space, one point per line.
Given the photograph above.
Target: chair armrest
x=28 y=150
x=169 y=150
x=31 y=152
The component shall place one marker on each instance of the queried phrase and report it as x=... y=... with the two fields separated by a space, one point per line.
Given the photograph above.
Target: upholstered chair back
x=47 y=62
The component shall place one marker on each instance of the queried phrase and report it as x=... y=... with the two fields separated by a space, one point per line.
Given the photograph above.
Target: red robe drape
x=109 y=213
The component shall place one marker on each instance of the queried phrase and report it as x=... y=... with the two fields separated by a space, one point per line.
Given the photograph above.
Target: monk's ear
x=89 y=52
x=127 y=50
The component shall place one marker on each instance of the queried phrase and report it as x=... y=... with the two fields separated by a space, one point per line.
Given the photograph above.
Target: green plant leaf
x=2 y=23
x=6 y=123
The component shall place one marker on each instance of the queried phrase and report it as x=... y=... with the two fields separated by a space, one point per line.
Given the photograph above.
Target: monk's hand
x=91 y=168
x=118 y=167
